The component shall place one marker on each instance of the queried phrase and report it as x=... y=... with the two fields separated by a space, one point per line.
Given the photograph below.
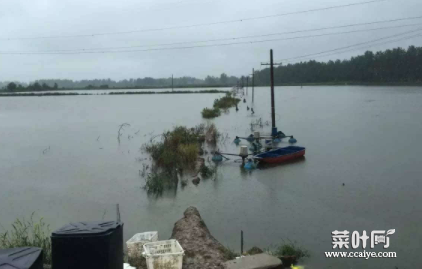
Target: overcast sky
x=44 y=18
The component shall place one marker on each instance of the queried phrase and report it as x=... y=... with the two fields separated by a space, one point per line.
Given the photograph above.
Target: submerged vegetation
x=222 y=103
x=178 y=151
x=209 y=113
x=157 y=182
x=211 y=134
x=205 y=171
x=178 y=148
x=28 y=233
x=226 y=102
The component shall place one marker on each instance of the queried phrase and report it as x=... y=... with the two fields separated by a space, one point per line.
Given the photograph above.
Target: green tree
x=11 y=87
x=390 y=66
x=223 y=79
x=211 y=80
x=45 y=87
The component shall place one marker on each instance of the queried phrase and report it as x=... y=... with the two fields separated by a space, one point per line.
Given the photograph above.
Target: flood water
x=60 y=158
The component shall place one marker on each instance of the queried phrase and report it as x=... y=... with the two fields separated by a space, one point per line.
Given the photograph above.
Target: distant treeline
x=57 y=93
x=390 y=67
x=140 y=83
x=168 y=92
x=15 y=87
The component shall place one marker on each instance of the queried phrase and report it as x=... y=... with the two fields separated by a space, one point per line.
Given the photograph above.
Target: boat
x=280 y=155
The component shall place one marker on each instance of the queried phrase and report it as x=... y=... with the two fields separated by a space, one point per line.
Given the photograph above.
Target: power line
x=350 y=46
x=249 y=36
x=203 y=46
x=198 y=25
x=181 y=4
x=366 y=47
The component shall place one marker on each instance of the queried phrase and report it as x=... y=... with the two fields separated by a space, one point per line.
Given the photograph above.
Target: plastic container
x=136 y=243
x=249 y=165
x=217 y=158
x=243 y=151
x=21 y=258
x=164 y=254
x=88 y=245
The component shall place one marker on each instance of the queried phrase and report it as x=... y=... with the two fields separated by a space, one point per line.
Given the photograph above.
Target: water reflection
x=243 y=172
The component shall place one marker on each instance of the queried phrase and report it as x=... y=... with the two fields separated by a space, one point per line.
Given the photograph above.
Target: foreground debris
x=202 y=250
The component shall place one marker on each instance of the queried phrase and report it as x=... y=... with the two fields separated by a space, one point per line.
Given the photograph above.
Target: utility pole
x=253 y=83
x=271 y=64
x=247 y=84
x=241 y=242
x=172 y=88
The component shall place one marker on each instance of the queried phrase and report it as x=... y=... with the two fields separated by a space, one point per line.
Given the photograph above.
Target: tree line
x=147 y=82
x=383 y=67
x=35 y=87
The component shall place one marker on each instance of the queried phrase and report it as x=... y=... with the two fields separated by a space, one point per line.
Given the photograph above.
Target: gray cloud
x=20 y=18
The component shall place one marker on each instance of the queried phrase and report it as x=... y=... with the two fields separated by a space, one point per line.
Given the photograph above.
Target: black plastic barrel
x=88 y=245
x=21 y=258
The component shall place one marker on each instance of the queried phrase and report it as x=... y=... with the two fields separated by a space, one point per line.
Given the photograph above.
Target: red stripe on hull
x=284 y=158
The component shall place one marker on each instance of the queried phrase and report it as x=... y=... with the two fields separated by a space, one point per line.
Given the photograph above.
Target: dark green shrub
x=209 y=113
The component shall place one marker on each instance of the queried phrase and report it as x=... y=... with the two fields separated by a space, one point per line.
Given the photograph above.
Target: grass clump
x=293 y=250
x=290 y=249
x=211 y=133
x=28 y=233
x=178 y=148
x=223 y=103
x=209 y=113
x=157 y=182
x=188 y=153
x=205 y=171
x=254 y=251
x=226 y=102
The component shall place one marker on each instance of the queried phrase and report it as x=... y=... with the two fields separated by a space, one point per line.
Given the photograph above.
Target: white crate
x=136 y=243
x=164 y=254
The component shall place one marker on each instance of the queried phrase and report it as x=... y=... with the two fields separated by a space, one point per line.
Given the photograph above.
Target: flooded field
x=60 y=157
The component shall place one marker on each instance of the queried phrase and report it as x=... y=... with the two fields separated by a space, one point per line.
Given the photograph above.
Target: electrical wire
x=350 y=46
x=196 y=25
x=199 y=46
x=214 y=45
x=359 y=48
x=250 y=36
